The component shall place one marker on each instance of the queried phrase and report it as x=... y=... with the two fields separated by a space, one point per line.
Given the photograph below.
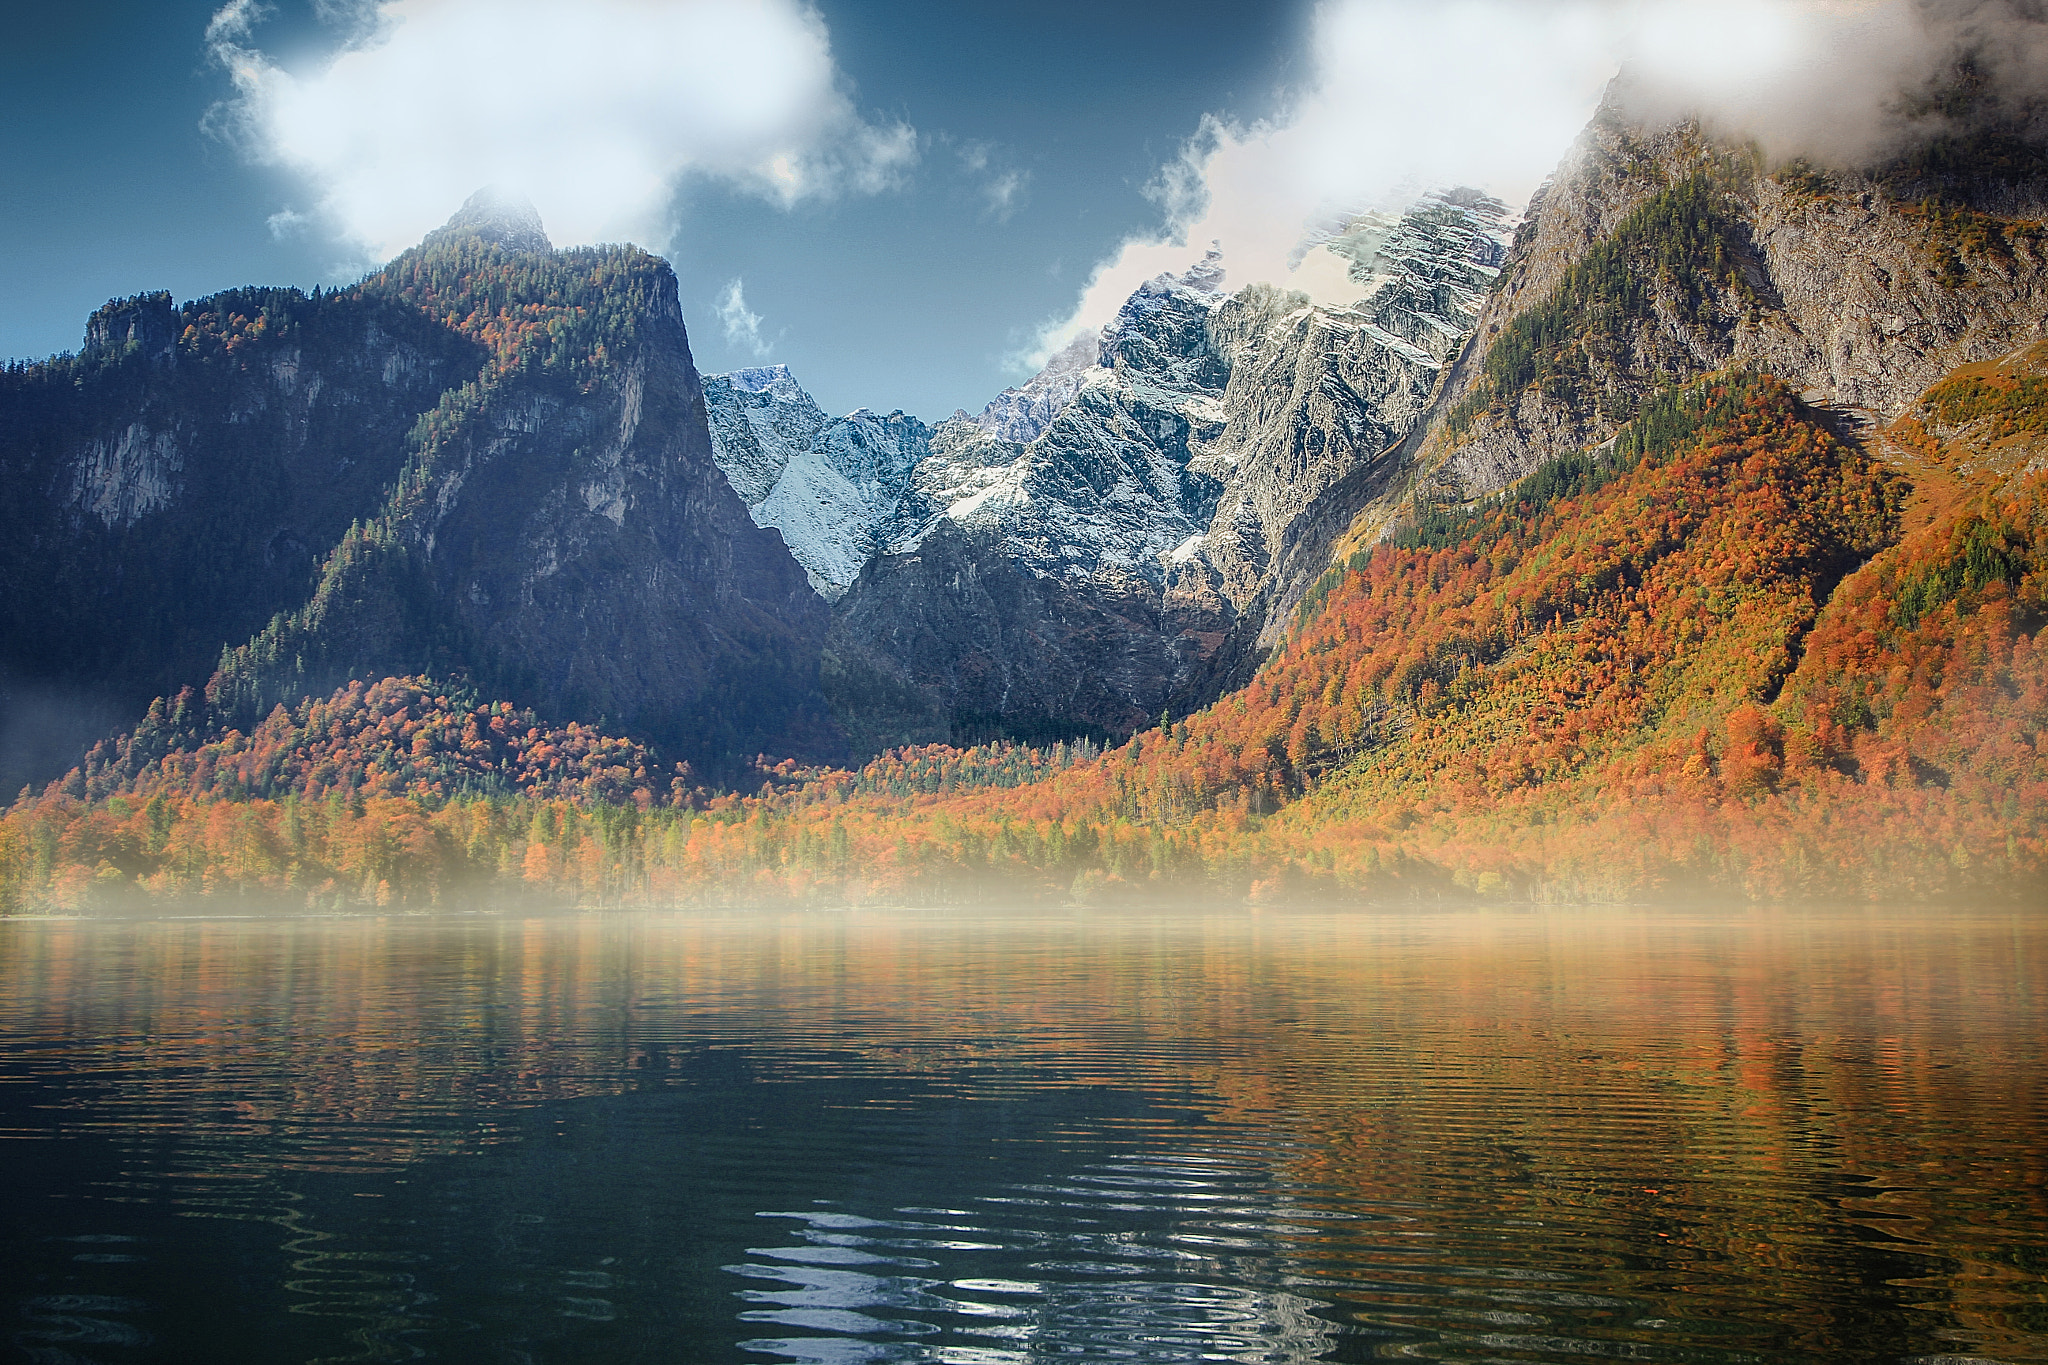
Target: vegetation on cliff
x=174 y=484
x=555 y=321
x=1679 y=247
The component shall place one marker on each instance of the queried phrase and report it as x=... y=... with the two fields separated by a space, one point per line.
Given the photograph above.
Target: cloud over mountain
x=595 y=111
x=1491 y=93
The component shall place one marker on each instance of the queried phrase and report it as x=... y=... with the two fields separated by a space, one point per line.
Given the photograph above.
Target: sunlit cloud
x=1484 y=92
x=595 y=111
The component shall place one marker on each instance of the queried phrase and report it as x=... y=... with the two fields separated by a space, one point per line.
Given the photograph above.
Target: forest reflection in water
x=877 y=1136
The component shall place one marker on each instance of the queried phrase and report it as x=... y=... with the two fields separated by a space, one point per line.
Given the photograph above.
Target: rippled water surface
x=874 y=1137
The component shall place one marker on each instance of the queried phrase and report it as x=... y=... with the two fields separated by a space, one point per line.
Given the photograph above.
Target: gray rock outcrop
x=1836 y=282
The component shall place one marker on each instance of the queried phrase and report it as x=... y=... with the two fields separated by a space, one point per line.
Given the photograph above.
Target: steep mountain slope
x=760 y=419
x=833 y=488
x=176 y=484
x=1657 y=254
x=1732 y=654
x=1019 y=414
x=561 y=530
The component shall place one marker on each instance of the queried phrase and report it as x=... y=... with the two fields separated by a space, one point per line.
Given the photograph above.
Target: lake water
x=888 y=1137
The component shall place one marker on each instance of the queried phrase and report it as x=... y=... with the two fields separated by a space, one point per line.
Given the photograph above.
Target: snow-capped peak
x=1205 y=276
x=1203 y=281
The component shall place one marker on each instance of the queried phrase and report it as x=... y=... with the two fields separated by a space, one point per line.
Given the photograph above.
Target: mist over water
x=878 y=1137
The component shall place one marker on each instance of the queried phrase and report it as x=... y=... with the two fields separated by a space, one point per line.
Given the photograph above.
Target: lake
x=868 y=1136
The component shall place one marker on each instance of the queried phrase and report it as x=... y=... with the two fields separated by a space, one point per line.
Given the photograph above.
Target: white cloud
x=1492 y=93
x=286 y=223
x=742 y=325
x=1005 y=194
x=1002 y=187
x=593 y=110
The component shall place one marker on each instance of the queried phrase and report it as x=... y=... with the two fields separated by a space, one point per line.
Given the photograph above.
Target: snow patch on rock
x=760 y=418
x=836 y=500
x=1185 y=437
x=833 y=487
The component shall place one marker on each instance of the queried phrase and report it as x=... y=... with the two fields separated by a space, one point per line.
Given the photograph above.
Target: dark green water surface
x=890 y=1137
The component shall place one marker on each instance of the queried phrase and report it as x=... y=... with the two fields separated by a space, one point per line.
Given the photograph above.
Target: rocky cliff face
x=760 y=419
x=1657 y=254
x=1319 y=399
x=563 y=534
x=837 y=503
x=1020 y=414
x=832 y=488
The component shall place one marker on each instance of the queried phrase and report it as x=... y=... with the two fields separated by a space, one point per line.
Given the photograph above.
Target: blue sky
x=903 y=200
x=912 y=295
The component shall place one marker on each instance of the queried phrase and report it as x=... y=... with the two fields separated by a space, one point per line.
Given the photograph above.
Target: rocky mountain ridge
x=495 y=460
x=832 y=487
x=1106 y=541
x=174 y=486
x=1019 y=414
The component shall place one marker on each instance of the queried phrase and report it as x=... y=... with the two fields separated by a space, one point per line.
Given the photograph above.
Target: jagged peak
x=1022 y=412
x=761 y=378
x=1084 y=350
x=1204 y=279
x=1204 y=276
x=500 y=217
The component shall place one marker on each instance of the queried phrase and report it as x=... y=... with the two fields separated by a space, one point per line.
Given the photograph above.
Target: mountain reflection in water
x=883 y=1137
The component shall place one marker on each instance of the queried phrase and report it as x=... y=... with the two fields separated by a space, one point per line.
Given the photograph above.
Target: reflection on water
x=884 y=1137
x=1123 y=1260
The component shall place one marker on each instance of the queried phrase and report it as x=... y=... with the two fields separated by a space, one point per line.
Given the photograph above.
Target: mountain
x=1665 y=584
x=494 y=216
x=488 y=460
x=832 y=488
x=178 y=483
x=760 y=419
x=1732 y=655
x=1657 y=253
x=1019 y=414
x=1132 y=553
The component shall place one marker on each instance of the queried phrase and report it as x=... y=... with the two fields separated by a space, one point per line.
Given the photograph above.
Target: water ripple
x=1277 y=1138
